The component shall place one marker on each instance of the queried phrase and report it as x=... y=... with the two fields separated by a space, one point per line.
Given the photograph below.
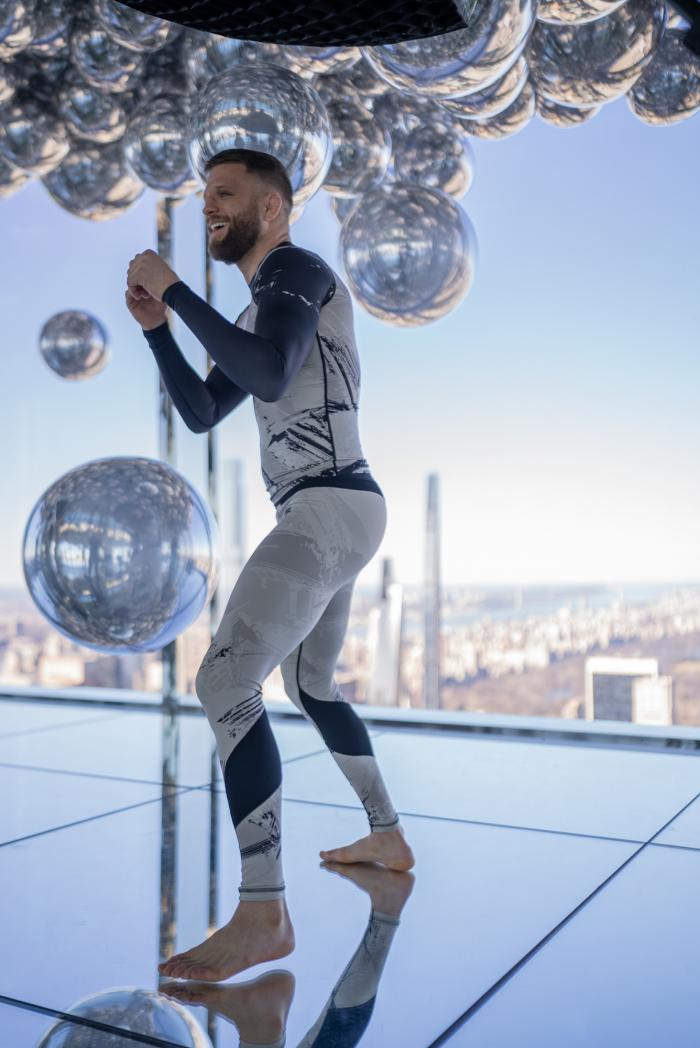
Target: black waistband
x=358 y=481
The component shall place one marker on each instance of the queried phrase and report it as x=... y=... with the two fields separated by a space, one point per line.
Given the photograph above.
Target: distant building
x=384 y=641
x=652 y=700
x=610 y=683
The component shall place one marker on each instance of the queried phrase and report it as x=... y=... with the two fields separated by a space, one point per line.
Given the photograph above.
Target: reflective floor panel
x=573 y=788
x=623 y=971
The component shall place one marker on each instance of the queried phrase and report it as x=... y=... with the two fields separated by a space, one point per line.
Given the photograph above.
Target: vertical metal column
x=166 y=432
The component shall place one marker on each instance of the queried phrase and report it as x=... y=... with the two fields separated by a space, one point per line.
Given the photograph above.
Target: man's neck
x=249 y=264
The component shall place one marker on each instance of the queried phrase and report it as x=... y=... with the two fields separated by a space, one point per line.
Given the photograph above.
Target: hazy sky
x=559 y=402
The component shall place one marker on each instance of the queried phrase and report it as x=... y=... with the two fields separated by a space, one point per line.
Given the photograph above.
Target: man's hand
x=148 y=272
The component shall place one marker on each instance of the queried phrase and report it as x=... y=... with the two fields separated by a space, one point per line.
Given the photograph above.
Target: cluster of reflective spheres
x=100 y=100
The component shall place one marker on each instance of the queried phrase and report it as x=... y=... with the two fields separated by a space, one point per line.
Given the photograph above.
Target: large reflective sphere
x=409 y=253
x=669 y=88
x=463 y=61
x=565 y=12
x=120 y=554
x=436 y=155
x=269 y=108
x=74 y=344
x=133 y=29
x=493 y=99
x=513 y=119
x=585 y=65
x=17 y=27
x=361 y=149
x=129 y=1008
x=155 y=145
x=94 y=182
x=89 y=114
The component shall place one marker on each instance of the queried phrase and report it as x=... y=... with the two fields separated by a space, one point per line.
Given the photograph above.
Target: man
x=294 y=353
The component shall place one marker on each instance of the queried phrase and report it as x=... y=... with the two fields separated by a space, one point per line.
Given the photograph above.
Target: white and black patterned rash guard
x=293 y=350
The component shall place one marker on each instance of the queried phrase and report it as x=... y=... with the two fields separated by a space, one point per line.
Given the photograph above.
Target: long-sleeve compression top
x=298 y=303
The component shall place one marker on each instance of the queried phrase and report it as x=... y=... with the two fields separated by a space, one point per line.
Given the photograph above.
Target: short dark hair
x=266 y=166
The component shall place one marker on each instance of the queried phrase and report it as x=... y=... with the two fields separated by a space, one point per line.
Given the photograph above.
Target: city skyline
x=556 y=403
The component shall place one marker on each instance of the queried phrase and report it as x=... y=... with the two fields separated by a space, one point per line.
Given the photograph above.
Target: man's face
x=230 y=197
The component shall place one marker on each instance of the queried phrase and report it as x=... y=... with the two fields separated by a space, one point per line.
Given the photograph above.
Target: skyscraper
x=384 y=641
x=431 y=675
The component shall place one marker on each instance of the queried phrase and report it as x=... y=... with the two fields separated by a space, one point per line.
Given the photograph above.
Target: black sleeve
x=200 y=403
x=289 y=288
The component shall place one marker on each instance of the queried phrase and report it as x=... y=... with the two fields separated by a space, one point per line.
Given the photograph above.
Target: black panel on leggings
x=253 y=770
x=341 y=728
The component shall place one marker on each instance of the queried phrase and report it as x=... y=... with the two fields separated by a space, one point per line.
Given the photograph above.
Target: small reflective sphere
x=17 y=27
x=466 y=60
x=265 y=107
x=361 y=149
x=91 y=115
x=143 y=1012
x=361 y=79
x=669 y=88
x=567 y=12
x=493 y=99
x=436 y=155
x=11 y=178
x=133 y=29
x=308 y=58
x=208 y=54
x=31 y=135
x=94 y=182
x=155 y=145
x=120 y=554
x=409 y=253
x=103 y=62
x=400 y=113
x=586 y=65
x=513 y=119
x=74 y=344
x=52 y=21
x=563 y=116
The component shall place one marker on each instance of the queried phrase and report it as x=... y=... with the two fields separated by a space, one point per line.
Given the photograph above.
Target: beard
x=241 y=235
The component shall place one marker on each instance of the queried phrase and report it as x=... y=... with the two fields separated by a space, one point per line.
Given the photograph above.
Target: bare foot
x=389 y=848
x=257 y=932
x=257 y=1008
x=388 y=889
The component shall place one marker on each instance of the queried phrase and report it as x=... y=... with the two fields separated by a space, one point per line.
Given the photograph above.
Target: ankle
x=273 y=910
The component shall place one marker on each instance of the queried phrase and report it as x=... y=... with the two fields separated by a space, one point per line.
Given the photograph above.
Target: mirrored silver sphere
x=493 y=99
x=89 y=114
x=134 y=29
x=103 y=62
x=513 y=119
x=264 y=107
x=94 y=182
x=11 y=178
x=409 y=253
x=309 y=58
x=575 y=12
x=52 y=20
x=156 y=145
x=669 y=88
x=590 y=64
x=361 y=149
x=436 y=155
x=74 y=344
x=17 y=27
x=461 y=62
x=32 y=135
x=129 y=1008
x=563 y=116
x=120 y=554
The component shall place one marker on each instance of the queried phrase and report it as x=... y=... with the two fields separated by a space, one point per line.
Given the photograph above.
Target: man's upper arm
x=289 y=290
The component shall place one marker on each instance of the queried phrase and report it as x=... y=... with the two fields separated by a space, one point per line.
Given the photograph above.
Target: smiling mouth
x=221 y=229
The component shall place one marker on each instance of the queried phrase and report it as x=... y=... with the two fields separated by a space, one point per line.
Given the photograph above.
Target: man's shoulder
x=297 y=264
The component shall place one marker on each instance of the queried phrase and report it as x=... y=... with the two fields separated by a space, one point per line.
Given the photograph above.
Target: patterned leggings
x=290 y=608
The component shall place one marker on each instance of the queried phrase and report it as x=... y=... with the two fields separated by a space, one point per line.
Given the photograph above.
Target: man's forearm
x=249 y=360
x=189 y=392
